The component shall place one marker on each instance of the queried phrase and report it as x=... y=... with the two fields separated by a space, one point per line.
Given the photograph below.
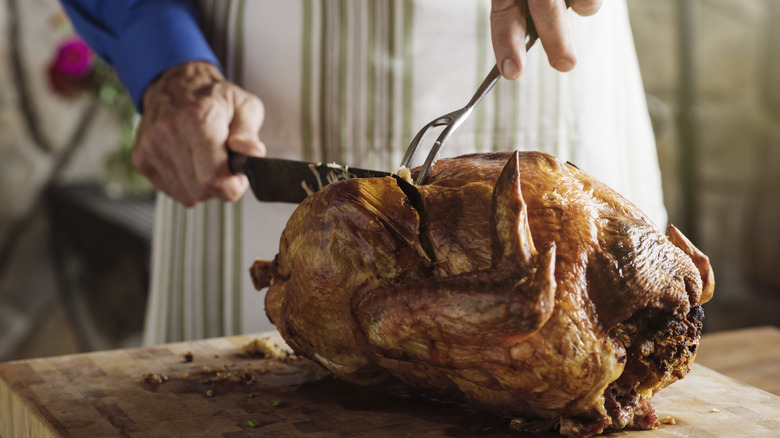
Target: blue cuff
x=154 y=37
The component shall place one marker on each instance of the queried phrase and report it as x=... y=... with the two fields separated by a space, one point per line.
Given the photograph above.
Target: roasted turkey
x=510 y=281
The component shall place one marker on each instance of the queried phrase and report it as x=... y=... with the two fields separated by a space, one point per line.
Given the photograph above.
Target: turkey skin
x=513 y=282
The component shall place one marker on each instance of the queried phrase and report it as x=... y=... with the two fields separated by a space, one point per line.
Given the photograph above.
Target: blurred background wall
x=44 y=139
x=712 y=74
x=711 y=69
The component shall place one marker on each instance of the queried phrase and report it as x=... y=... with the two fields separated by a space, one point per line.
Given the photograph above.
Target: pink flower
x=74 y=58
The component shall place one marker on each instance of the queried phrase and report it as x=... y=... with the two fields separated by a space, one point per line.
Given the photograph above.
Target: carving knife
x=280 y=180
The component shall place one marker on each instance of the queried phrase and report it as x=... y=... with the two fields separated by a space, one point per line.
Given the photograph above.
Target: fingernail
x=509 y=69
x=562 y=65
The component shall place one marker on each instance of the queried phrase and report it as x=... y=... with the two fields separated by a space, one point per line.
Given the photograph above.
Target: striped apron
x=352 y=81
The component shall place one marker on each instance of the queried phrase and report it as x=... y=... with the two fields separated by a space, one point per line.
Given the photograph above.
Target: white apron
x=352 y=82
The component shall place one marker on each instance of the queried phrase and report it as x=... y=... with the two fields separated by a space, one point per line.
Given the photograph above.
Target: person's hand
x=192 y=115
x=508 y=25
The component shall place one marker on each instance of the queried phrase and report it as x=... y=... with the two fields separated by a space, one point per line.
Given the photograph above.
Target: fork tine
x=425 y=170
x=415 y=144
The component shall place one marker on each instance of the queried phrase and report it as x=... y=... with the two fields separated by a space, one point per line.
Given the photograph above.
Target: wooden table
x=219 y=392
x=749 y=355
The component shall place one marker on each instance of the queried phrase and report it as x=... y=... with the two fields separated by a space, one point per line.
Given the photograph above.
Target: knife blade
x=281 y=180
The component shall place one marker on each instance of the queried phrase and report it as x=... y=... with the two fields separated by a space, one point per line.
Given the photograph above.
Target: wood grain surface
x=750 y=355
x=220 y=393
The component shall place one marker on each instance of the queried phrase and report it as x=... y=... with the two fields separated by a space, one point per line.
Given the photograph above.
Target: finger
x=507 y=31
x=248 y=117
x=245 y=126
x=585 y=7
x=211 y=172
x=232 y=188
x=173 y=149
x=246 y=146
x=178 y=148
x=150 y=163
x=554 y=31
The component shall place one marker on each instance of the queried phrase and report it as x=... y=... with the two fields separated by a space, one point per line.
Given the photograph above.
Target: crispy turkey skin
x=512 y=281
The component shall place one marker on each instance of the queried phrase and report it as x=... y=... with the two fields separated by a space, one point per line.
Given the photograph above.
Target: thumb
x=248 y=117
x=251 y=147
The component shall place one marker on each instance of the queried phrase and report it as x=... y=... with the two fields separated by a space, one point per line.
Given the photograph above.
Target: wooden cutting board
x=221 y=393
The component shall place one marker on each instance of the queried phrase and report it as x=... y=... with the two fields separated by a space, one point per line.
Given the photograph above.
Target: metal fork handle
x=454 y=119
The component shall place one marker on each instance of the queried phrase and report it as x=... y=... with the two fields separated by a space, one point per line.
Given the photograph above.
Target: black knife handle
x=236 y=162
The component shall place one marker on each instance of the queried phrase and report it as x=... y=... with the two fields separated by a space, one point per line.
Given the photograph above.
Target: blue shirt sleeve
x=140 y=39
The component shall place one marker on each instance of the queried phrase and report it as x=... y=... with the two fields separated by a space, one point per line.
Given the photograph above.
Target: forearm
x=140 y=38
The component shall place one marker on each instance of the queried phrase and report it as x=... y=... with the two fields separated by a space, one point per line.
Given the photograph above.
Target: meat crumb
x=671 y=421
x=405 y=174
x=154 y=378
x=262 y=348
x=531 y=426
x=244 y=376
